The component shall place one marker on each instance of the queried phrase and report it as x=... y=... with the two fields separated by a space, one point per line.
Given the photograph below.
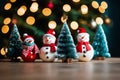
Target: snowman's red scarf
x=79 y=46
x=52 y=47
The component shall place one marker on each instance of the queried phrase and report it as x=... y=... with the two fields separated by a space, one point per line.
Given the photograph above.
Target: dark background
x=114 y=35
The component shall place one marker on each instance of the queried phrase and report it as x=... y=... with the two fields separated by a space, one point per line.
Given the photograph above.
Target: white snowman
x=48 y=51
x=84 y=49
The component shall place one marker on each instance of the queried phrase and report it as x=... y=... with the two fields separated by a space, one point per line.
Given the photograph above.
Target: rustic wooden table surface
x=108 y=69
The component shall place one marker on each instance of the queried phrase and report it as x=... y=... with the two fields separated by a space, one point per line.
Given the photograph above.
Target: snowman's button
x=46 y=47
x=46 y=52
x=84 y=55
x=84 y=51
x=47 y=57
x=83 y=47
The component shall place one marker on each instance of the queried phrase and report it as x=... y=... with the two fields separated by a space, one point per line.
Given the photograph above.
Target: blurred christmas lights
x=95 y=4
x=99 y=20
x=5 y=29
x=30 y=20
x=52 y=24
x=46 y=11
x=7 y=6
x=74 y=25
x=66 y=7
x=84 y=9
x=34 y=7
x=7 y=20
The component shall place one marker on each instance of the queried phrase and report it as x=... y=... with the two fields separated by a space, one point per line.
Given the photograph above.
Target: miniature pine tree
x=66 y=47
x=100 y=44
x=15 y=44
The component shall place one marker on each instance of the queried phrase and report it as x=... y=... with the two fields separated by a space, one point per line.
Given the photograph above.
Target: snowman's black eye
x=47 y=57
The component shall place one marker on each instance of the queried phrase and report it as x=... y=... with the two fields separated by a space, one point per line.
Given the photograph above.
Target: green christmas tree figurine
x=66 y=48
x=15 y=45
x=100 y=44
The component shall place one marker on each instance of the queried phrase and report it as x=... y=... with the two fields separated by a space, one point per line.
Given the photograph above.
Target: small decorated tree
x=15 y=44
x=100 y=44
x=66 y=47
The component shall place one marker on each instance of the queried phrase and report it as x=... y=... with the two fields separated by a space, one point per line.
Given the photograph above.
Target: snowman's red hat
x=81 y=30
x=51 y=31
x=25 y=36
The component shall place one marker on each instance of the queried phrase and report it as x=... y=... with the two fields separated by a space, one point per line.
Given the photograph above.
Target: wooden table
x=108 y=69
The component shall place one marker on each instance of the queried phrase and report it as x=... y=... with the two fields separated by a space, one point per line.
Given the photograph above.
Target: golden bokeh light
x=7 y=6
x=95 y=4
x=5 y=29
x=107 y=20
x=12 y=1
x=52 y=24
x=3 y=51
x=7 y=20
x=99 y=20
x=76 y=1
x=46 y=11
x=30 y=20
x=66 y=7
x=101 y=10
x=21 y=11
x=104 y=5
x=34 y=7
x=84 y=9
x=74 y=25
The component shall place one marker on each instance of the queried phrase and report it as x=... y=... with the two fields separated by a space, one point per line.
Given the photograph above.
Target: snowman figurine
x=84 y=49
x=48 y=50
x=29 y=49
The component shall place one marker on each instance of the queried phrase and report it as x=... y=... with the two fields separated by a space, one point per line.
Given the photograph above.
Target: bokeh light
x=7 y=20
x=95 y=4
x=108 y=20
x=101 y=9
x=74 y=25
x=7 y=6
x=52 y=24
x=99 y=20
x=21 y=11
x=66 y=7
x=104 y=5
x=12 y=1
x=5 y=29
x=46 y=11
x=30 y=20
x=3 y=51
x=76 y=1
x=84 y=9
x=34 y=7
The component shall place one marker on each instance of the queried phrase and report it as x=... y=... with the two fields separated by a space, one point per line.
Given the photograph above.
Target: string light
x=7 y=6
x=30 y=20
x=4 y=51
x=76 y=1
x=5 y=29
x=21 y=11
x=46 y=11
x=104 y=5
x=84 y=9
x=99 y=20
x=107 y=20
x=93 y=23
x=7 y=20
x=66 y=7
x=34 y=7
x=74 y=25
x=95 y=4
x=52 y=24
x=101 y=9
x=12 y=1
